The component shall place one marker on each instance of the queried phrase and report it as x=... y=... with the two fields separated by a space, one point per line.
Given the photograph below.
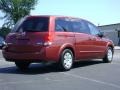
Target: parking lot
x=93 y=75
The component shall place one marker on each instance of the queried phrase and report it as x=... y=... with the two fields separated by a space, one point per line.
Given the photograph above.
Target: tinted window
x=63 y=24
x=80 y=26
x=34 y=25
x=18 y=24
x=93 y=29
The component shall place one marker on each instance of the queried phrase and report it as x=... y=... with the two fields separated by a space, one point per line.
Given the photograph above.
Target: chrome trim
x=9 y=43
x=40 y=43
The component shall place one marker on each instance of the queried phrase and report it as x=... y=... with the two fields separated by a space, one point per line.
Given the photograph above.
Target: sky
x=99 y=12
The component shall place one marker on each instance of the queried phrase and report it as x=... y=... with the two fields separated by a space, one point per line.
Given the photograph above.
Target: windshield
x=32 y=24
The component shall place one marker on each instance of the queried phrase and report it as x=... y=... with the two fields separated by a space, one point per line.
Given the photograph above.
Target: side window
x=81 y=27
x=76 y=26
x=59 y=25
x=93 y=29
x=63 y=24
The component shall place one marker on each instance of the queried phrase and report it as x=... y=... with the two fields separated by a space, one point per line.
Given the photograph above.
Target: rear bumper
x=44 y=54
x=30 y=57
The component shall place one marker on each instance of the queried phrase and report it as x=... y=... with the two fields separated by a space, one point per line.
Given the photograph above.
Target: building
x=112 y=32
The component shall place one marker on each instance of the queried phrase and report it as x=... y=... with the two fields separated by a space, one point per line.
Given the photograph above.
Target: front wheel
x=22 y=65
x=109 y=55
x=66 y=60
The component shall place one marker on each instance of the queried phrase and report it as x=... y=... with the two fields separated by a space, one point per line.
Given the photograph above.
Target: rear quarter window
x=63 y=25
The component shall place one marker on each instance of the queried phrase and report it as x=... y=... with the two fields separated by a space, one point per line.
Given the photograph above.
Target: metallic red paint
x=29 y=46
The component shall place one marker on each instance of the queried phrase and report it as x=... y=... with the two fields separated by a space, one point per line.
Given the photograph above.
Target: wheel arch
x=111 y=46
x=67 y=46
x=106 y=58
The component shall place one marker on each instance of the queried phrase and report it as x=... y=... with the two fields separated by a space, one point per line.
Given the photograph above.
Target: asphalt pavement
x=92 y=75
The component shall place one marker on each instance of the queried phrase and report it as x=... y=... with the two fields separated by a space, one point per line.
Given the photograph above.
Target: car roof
x=55 y=16
x=58 y=16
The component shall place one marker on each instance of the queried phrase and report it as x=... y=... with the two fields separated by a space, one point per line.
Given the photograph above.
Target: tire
x=109 y=55
x=66 y=60
x=22 y=65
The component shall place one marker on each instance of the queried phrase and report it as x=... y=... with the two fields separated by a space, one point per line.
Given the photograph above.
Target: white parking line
x=26 y=82
x=116 y=63
x=53 y=80
x=16 y=82
x=92 y=80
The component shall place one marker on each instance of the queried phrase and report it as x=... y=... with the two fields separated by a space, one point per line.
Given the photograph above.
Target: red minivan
x=58 y=39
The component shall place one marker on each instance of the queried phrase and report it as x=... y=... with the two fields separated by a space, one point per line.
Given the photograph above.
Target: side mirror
x=101 y=34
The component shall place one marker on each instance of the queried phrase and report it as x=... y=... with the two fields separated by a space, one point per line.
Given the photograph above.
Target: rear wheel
x=66 y=60
x=22 y=65
x=109 y=55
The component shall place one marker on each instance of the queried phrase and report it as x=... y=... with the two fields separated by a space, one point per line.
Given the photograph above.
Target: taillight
x=44 y=43
x=47 y=43
x=47 y=40
x=49 y=37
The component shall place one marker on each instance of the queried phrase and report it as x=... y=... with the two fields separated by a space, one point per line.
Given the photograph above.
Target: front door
x=83 y=43
x=99 y=44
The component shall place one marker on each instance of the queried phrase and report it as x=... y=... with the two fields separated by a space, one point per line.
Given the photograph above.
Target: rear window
x=37 y=24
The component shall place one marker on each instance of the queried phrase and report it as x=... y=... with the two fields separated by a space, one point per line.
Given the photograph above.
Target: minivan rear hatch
x=27 y=34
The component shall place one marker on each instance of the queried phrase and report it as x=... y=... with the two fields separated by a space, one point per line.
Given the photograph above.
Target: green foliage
x=15 y=9
x=4 y=31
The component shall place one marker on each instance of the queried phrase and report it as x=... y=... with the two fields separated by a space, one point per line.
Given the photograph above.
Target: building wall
x=111 y=32
x=113 y=35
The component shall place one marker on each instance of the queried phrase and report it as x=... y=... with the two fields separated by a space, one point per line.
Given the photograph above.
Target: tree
x=15 y=9
x=4 y=31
